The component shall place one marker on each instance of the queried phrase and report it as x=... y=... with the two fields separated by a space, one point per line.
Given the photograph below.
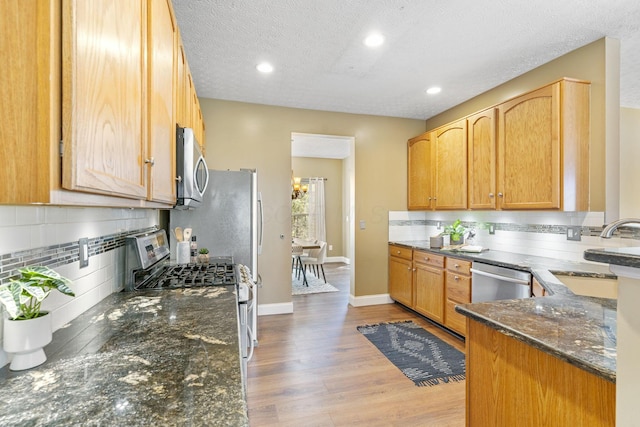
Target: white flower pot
x=25 y=339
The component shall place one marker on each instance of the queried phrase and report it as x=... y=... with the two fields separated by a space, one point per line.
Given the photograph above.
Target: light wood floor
x=313 y=368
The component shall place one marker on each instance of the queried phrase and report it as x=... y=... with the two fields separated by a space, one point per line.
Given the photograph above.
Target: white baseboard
x=341 y=259
x=279 y=308
x=369 y=300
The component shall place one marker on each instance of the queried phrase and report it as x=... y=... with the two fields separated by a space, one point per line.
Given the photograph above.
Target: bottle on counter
x=194 y=250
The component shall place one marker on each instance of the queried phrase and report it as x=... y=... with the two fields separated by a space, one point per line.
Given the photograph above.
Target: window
x=300 y=217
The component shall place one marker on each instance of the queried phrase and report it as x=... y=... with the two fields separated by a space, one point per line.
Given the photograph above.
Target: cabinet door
x=529 y=150
x=29 y=87
x=450 y=179
x=457 y=291
x=482 y=159
x=104 y=83
x=419 y=172
x=181 y=62
x=400 y=281
x=162 y=132
x=429 y=283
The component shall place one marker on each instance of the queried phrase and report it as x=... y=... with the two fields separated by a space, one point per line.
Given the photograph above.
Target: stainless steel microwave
x=191 y=169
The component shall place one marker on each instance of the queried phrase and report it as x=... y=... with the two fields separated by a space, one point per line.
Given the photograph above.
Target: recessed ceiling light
x=264 y=67
x=433 y=90
x=374 y=40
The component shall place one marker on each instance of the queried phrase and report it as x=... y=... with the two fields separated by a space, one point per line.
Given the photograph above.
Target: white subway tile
x=7 y=216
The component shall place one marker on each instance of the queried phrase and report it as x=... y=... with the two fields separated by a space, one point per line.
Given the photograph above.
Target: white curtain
x=316 y=210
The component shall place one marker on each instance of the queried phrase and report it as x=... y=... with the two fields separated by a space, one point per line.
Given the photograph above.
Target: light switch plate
x=83 y=252
x=574 y=233
x=492 y=228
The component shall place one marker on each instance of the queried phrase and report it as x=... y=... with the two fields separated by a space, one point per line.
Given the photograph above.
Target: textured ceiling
x=467 y=47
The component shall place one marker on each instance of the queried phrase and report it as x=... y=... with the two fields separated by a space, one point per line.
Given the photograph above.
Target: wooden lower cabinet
x=401 y=274
x=457 y=291
x=428 y=278
x=510 y=383
x=537 y=290
x=418 y=279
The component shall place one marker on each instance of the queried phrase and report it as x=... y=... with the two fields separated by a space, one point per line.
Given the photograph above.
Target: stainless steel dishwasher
x=491 y=283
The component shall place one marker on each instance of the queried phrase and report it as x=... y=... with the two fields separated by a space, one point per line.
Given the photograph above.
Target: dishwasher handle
x=499 y=277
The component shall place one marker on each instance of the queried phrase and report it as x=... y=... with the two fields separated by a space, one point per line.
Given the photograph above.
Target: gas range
x=221 y=273
x=148 y=267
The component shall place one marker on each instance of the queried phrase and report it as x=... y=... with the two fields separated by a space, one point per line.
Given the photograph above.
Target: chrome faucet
x=607 y=232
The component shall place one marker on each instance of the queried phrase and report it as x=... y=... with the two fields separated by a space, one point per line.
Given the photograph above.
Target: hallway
x=313 y=368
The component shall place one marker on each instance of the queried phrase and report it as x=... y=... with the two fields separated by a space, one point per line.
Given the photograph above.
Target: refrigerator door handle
x=261 y=223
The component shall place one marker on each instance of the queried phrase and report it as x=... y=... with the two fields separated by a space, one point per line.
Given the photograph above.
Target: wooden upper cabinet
x=30 y=106
x=104 y=97
x=530 y=150
x=482 y=159
x=450 y=175
x=543 y=151
x=181 y=70
x=162 y=33
x=419 y=170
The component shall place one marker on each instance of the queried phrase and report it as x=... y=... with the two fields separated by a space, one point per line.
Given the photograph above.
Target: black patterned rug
x=424 y=358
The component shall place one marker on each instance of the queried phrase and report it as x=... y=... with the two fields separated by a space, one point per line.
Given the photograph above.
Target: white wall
x=24 y=229
x=629 y=155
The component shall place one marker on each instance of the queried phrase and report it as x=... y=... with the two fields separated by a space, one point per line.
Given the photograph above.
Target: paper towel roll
x=183 y=252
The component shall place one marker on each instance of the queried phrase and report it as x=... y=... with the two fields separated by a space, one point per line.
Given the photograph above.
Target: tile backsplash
x=48 y=235
x=526 y=232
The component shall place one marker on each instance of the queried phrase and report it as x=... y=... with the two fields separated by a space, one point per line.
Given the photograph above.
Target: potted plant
x=203 y=256
x=456 y=232
x=28 y=328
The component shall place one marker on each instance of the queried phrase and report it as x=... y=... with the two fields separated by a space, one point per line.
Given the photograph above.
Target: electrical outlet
x=363 y=225
x=330 y=247
x=574 y=233
x=83 y=252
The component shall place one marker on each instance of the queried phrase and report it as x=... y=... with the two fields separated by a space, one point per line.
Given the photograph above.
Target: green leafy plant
x=204 y=251
x=455 y=230
x=23 y=295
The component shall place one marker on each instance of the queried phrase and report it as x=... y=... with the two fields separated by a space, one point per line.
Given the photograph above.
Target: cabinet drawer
x=453 y=319
x=428 y=258
x=458 y=288
x=460 y=266
x=400 y=252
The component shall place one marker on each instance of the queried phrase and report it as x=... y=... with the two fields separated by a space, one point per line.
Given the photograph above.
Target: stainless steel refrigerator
x=228 y=222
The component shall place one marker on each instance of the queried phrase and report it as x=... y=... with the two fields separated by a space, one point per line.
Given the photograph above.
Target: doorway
x=314 y=155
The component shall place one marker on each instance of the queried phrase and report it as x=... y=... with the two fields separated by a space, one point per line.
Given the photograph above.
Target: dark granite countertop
x=577 y=329
x=627 y=257
x=165 y=358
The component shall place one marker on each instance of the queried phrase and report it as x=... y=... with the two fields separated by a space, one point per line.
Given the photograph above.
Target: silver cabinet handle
x=499 y=194
x=491 y=195
x=150 y=161
x=456 y=278
x=497 y=276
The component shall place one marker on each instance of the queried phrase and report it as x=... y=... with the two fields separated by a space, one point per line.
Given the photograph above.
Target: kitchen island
x=162 y=358
x=540 y=361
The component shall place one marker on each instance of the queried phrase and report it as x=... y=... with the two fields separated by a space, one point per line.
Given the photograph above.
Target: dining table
x=299 y=244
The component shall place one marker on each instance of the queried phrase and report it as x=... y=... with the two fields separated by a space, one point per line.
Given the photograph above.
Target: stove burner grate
x=191 y=276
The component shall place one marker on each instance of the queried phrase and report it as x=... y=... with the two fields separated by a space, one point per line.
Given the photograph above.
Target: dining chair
x=296 y=252
x=315 y=259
